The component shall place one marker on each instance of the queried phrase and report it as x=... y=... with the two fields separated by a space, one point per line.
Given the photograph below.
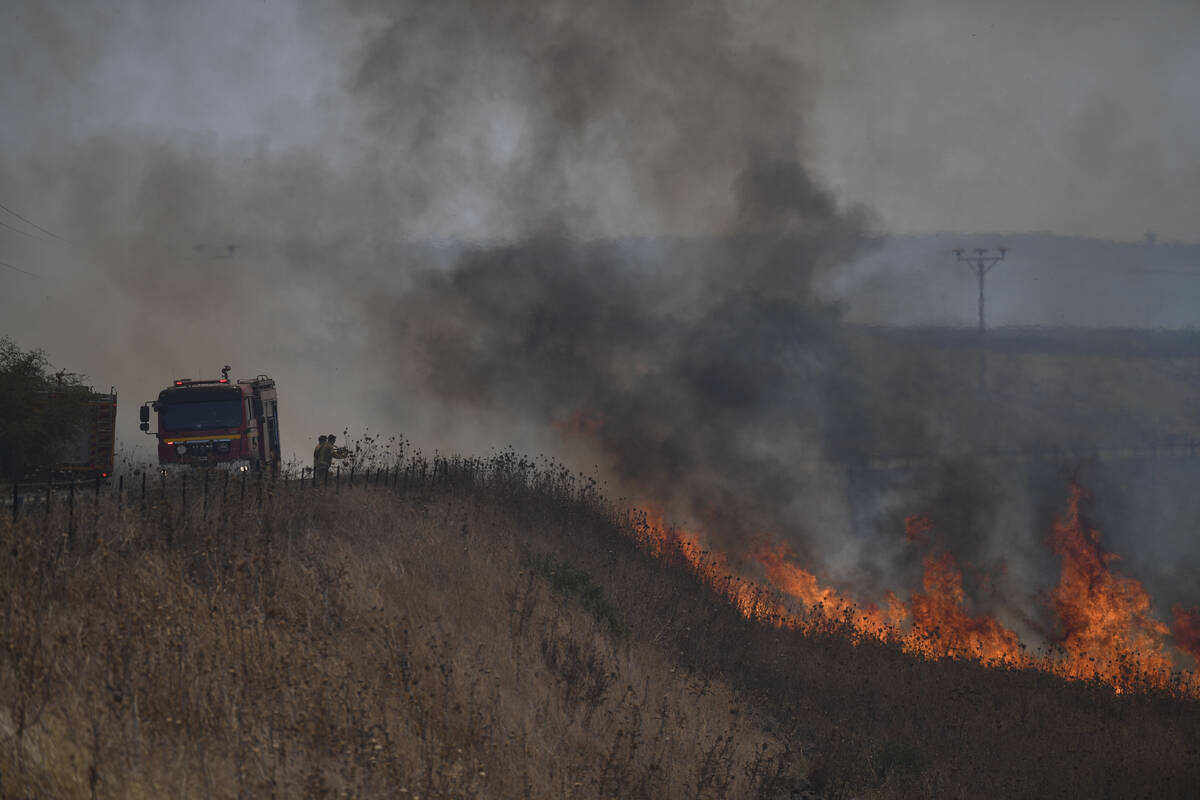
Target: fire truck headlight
x=181 y=449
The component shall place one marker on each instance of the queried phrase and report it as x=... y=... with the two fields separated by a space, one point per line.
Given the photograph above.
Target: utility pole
x=982 y=260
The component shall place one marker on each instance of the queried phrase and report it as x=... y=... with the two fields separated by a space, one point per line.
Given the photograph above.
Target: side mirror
x=145 y=426
x=144 y=416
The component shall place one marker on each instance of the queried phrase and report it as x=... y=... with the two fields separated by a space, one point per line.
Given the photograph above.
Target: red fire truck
x=217 y=422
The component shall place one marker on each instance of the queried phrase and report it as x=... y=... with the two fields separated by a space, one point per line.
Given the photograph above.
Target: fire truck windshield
x=200 y=408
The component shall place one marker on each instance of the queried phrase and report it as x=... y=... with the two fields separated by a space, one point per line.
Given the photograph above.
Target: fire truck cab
x=217 y=423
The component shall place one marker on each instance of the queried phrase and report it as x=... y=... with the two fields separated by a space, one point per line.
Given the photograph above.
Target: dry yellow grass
x=488 y=629
x=347 y=643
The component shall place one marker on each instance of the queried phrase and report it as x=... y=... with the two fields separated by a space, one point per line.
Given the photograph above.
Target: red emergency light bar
x=190 y=382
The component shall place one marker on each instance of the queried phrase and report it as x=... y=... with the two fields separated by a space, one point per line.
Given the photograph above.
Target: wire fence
x=194 y=494
x=180 y=497
x=183 y=501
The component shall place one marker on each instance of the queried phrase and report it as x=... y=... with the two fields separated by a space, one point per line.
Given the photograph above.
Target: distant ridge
x=1053 y=340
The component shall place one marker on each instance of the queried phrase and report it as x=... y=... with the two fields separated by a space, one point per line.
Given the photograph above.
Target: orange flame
x=942 y=626
x=1107 y=630
x=822 y=602
x=675 y=545
x=935 y=624
x=1186 y=629
x=1107 y=626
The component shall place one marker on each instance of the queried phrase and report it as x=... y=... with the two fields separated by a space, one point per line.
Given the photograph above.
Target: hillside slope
x=487 y=629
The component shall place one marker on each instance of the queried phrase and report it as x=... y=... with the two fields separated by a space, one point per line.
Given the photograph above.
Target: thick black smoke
x=707 y=372
x=705 y=369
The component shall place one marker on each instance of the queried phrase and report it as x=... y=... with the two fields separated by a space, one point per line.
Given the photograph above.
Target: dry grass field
x=915 y=397
x=494 y=629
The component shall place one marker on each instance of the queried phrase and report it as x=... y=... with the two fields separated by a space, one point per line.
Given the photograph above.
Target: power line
x=31 y=222
x=982 y=261
x=15 y=229
x=18 y=269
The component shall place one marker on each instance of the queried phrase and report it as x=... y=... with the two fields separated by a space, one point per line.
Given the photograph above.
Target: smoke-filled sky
x=942 y=116
x=321 y=140
x=622 y=233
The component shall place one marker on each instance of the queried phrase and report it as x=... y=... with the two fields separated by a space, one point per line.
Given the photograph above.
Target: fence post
x=96 y=510
x=16 y=495
x=71 y=512
x=120 y=491
x=167 y=523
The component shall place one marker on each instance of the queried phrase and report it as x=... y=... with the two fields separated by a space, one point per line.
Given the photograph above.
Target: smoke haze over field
x=621 y=233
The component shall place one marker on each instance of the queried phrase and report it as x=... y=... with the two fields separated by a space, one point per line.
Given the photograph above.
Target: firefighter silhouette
x=327 y=450
x=317 y=452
